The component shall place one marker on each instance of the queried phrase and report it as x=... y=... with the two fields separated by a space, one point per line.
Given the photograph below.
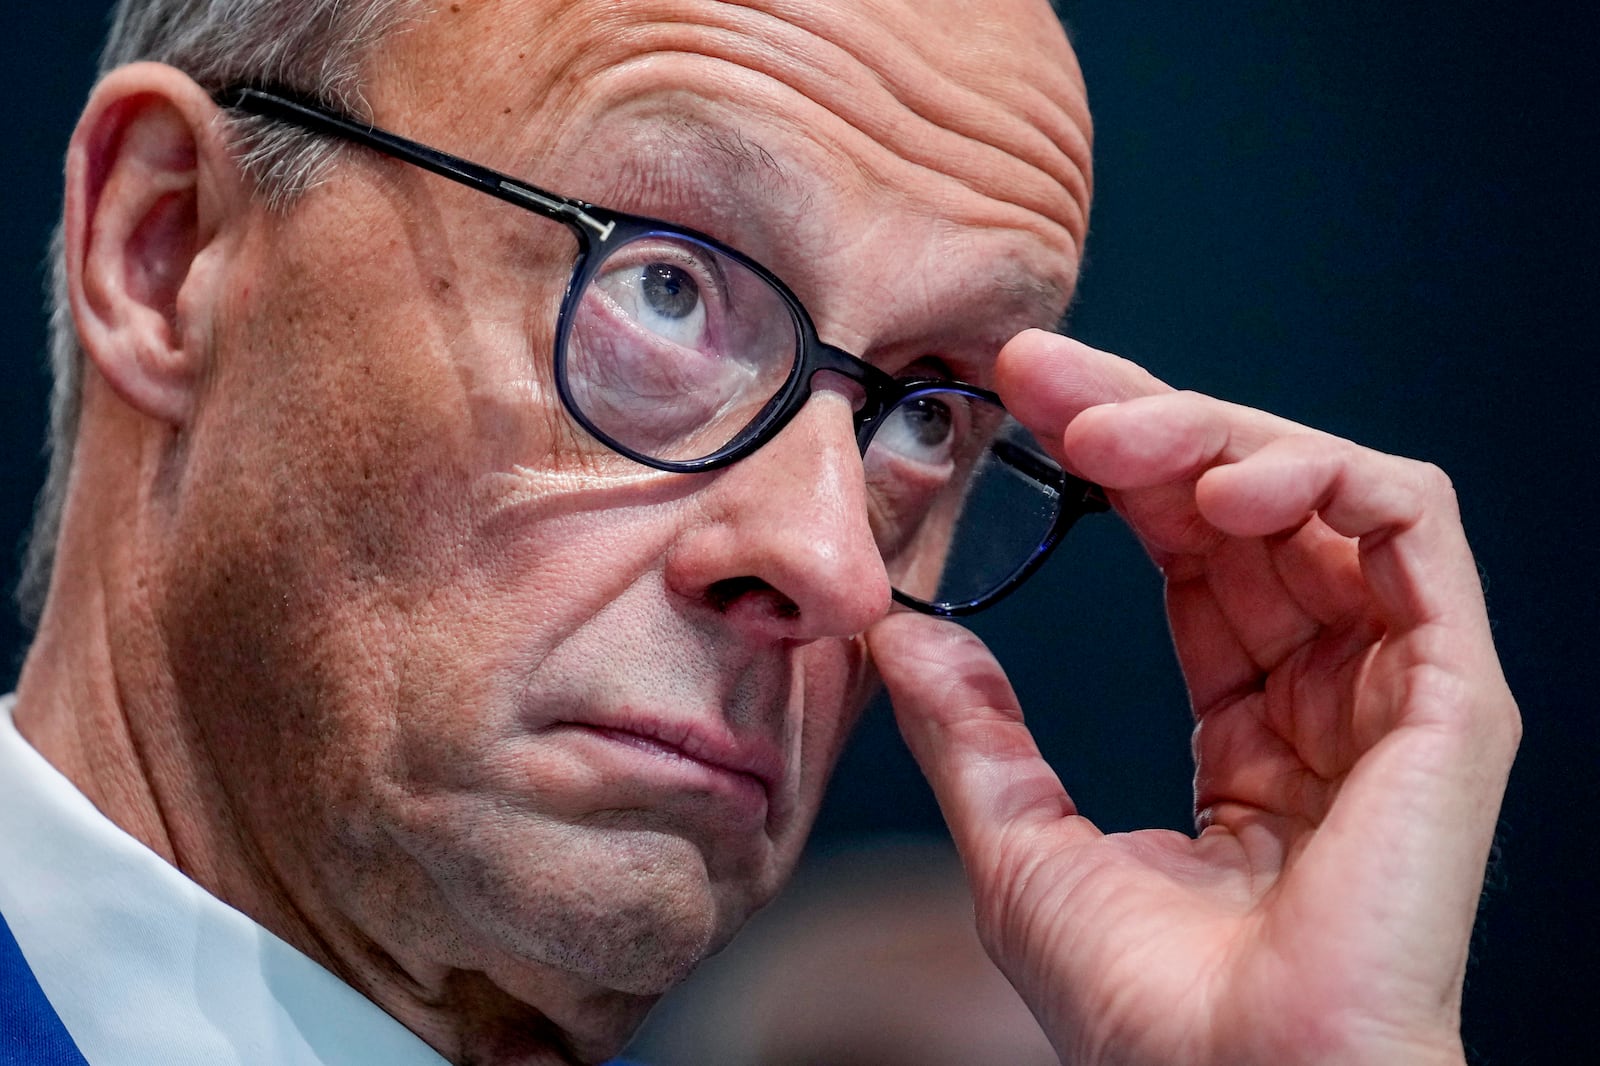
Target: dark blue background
x=1374 y=217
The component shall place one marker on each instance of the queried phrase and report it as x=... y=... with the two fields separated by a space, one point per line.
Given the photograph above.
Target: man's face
x=486 y=697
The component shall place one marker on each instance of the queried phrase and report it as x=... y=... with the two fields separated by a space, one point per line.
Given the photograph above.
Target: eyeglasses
x=686 y=355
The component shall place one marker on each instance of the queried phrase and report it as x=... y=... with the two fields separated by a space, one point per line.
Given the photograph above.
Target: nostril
x=724 y=594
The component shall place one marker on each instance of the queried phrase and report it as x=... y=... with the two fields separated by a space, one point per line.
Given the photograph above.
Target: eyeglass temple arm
x=574 y=213
x=1085 y=495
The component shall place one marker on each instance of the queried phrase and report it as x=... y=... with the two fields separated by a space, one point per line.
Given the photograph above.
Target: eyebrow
x=1047 y=304
x=744 y=155
x=715 y=155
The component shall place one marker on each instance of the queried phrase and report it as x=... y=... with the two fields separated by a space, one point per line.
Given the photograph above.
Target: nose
x=781 y=546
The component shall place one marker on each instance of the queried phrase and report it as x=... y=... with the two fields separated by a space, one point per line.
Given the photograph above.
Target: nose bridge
x=824 y=356
x=870 y=390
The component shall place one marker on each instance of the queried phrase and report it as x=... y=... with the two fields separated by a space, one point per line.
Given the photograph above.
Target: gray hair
x=316 y=47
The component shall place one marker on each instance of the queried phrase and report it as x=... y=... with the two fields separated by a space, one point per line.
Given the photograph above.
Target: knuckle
x=1439 y=494
x=1432 y=481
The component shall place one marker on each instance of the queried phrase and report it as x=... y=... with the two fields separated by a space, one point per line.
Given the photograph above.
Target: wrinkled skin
x=355 y=628
x=508 y=731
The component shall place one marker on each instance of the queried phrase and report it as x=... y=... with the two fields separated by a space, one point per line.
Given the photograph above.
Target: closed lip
x=710 y=745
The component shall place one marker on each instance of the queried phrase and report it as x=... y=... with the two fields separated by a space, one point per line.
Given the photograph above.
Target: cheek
x=322 y=500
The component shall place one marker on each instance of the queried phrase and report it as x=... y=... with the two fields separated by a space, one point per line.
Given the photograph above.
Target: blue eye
x=665 y=294
x=669 y=291
x=922 y=429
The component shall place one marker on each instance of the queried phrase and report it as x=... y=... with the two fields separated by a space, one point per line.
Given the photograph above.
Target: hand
x=1354 y=733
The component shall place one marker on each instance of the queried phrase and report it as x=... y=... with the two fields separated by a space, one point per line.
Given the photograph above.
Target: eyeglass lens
x=673 y=349
x=957 y=519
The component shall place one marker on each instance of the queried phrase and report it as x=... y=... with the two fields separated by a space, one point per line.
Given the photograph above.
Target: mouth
x=687 y=756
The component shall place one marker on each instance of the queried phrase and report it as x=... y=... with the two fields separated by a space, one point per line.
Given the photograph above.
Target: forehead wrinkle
x=1057 y=141
x=962 y=145
x=586 y=60
x=934 y=161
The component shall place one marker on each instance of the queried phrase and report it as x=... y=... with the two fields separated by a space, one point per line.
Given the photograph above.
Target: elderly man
x=469 y=556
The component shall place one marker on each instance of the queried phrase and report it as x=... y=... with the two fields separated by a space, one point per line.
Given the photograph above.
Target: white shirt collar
x=143 y=965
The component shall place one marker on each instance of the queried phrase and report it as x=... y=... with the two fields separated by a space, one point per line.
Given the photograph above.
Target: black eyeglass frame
x=598 y=228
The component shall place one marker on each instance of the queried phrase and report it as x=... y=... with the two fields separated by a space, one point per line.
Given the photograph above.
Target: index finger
x=1047 y=380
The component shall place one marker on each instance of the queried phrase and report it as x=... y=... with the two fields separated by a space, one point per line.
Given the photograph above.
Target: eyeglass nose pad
x=848 y=387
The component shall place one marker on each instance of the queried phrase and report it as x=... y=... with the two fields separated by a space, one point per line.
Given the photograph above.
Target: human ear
x=149 y=183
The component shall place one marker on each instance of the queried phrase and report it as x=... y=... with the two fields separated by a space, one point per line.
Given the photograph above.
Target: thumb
x=961 y=720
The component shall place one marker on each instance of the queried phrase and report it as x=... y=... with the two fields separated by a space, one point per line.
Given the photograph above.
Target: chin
x=629 y=910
